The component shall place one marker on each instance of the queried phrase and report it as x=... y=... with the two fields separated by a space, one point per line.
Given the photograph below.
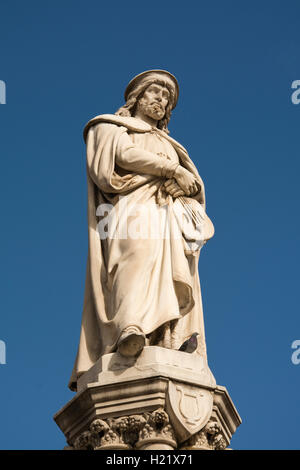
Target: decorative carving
x=157 y=429
x=100 y=434
x=127 y=432
x=83 y=442
x=215 y=436
x=209 y=438
x=98 y=429
x=199 y=441
x=189 y=408
x=148 y=430
x=129 y=428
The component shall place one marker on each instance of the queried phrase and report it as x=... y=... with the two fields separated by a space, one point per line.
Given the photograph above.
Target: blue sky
x=64 y=62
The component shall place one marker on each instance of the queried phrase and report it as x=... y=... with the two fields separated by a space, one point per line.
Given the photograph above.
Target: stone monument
x=141 y=375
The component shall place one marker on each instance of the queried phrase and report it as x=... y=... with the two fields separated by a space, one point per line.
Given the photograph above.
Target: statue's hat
x=158 y=74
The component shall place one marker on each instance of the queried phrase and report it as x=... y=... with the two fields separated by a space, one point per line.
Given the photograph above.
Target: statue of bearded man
x=142 y=284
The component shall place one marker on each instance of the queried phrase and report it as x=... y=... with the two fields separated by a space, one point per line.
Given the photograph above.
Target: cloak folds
x=149 y=282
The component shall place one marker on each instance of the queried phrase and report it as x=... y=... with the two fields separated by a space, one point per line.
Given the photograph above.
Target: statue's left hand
x=173 y=188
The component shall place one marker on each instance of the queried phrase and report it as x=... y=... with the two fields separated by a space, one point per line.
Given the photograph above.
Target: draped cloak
x=149 y=282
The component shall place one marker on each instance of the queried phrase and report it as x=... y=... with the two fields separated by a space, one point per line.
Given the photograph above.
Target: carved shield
x=189 y=408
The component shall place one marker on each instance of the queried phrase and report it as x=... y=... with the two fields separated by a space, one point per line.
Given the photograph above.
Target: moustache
x=156 y=104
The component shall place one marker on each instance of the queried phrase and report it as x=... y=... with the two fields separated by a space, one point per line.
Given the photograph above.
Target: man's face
x=154 y=101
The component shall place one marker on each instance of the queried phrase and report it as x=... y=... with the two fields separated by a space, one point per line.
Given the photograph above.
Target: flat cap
x=157 y=74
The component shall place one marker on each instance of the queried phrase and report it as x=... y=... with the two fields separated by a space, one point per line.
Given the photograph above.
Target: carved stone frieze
x=209 y=438
x=157 y=430
x=127 y=432
x=101 y=434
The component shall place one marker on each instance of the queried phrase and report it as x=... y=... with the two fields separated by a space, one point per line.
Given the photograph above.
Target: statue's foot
x=131 y=342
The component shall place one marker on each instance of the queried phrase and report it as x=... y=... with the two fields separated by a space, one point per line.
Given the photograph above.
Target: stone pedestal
x=162 y=400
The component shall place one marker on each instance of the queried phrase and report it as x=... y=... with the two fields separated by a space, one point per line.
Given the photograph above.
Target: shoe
x=131 y=342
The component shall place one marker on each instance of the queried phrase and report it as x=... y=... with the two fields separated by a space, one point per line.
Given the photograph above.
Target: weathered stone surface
x=148 y=404
x=153 y=361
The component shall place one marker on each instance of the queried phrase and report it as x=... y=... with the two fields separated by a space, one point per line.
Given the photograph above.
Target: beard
x=154 y=110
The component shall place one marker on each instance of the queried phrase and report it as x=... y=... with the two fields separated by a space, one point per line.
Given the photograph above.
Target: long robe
x=146 y=281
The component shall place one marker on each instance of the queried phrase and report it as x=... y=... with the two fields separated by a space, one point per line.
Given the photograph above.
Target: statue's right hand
x=173 y=188
x=186 y=180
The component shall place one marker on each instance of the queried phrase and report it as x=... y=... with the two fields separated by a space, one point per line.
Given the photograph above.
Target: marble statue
x=146 y=225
